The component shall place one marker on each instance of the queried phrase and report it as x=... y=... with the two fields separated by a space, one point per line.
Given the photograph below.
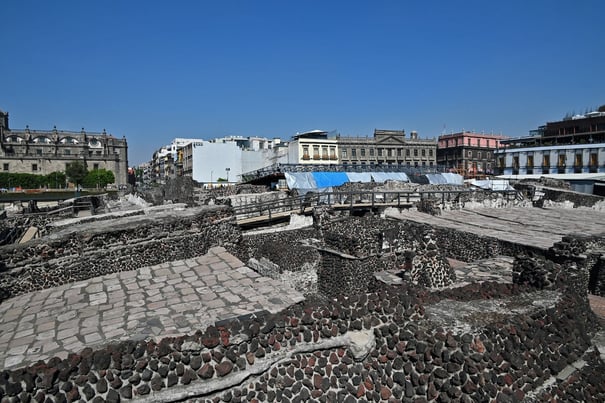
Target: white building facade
x=563 y=159
x=222 y=161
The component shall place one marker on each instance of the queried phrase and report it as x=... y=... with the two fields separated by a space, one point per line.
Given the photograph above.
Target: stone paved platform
x=169 y=299
x=537 y=227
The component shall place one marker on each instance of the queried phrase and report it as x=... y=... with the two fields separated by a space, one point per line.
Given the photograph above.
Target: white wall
x=211 y=160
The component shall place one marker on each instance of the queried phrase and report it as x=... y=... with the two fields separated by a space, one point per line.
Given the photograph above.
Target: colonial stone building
x=388 y=147
x=42 y=152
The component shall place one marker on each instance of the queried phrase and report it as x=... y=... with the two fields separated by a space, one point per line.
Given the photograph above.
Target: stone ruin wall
x=285 y=255
x=587 y=252
x=376 y=346
x=68 y=256
x=311 y=350
x=291 y=255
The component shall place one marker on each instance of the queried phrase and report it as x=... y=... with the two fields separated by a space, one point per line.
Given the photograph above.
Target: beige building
x=388 y=147
x=42 y=152
x=316 y=147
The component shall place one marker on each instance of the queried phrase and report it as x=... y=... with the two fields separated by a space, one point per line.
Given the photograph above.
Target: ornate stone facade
x=42 y=152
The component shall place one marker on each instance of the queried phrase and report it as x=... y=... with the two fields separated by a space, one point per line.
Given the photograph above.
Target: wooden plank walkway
x=538 y=227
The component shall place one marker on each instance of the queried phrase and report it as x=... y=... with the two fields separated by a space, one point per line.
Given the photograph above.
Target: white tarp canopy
x=492 y=184
x=452 y=178
x=436 y=179
x=300 y=180
x=364 y=177
x=392 y=176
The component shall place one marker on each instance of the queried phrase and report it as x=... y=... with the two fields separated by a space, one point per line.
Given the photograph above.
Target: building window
x=415 y=152
x=34 y=167
x=38 y=151
x=332 y=153
x=561 y=160
x=593 y=163
x=380 y=152
x=430 y=152
x=479 y=155
x=316 y=152
x=578 y=162
x=306 y=153
x=546 y=161
x=407 y=152
x=66 y=152
x=353 y=152
x=423 y=152
x=399 y=152
x=362 y=152
x=344 y=153
x=470 y=154
x=5 y=166
x=95 y=167
x=98 y=152
x=324 y=152
x=371 y=152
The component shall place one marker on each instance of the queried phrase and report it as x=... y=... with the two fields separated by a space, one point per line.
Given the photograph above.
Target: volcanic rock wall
x=96 y=249
x=381 y=346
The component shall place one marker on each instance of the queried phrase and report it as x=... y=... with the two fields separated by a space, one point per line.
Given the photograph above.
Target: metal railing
x=360 y=200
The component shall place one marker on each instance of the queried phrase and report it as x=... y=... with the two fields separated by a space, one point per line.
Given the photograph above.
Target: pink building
x=470 y=154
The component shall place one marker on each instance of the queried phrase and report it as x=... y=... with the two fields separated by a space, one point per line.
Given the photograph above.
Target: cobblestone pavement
x=169 y=299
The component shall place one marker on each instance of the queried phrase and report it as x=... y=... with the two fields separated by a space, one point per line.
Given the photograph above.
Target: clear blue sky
x=156 y=70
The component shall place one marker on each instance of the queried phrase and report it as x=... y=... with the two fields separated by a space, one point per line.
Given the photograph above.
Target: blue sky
x=156 y=70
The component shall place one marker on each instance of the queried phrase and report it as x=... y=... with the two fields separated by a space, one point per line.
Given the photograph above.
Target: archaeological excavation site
x=382 y=293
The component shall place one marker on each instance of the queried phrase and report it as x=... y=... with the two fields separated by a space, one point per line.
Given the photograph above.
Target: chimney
x=414 y=135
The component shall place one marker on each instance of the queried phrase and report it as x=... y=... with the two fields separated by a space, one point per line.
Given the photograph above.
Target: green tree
x=98 y=178
x=55 y=180
x=76 y=172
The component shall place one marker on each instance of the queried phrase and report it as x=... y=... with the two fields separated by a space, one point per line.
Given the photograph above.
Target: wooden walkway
x=281 y=209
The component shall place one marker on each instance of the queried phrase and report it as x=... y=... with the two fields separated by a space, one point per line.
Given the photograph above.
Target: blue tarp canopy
x=323 y=180
x=328 y=179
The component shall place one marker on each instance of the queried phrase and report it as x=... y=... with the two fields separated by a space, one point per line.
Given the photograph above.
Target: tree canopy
x=98 y=178
x=76 y=172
